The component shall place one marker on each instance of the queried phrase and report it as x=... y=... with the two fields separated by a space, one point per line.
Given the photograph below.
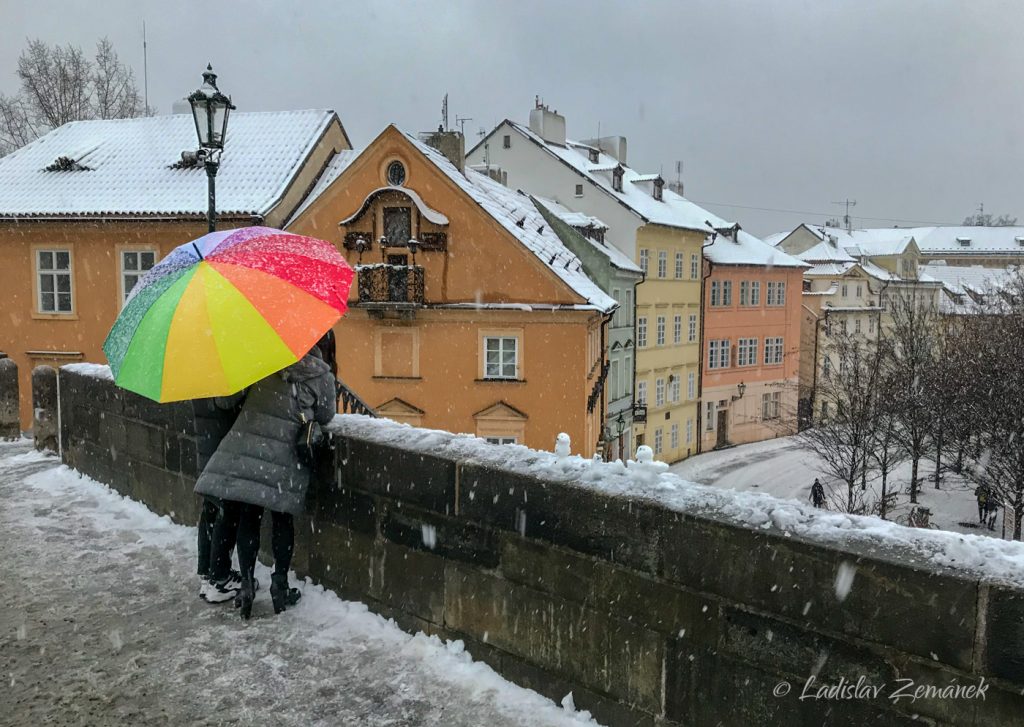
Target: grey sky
x=911 y=107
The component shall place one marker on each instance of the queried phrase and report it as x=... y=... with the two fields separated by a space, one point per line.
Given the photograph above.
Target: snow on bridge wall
x=649 y=612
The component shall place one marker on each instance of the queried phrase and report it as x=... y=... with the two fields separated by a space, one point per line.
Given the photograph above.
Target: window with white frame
x=645 y=256
x=691 y=332
x=773 y=351
x=689 y=431
x=613 y=379
x=826 y=366
x=501 y=440
x=627 y=375
x=860 y=290
x=777 y=293
x=709 y=416
x=718 y=354
x=694 y=266
x=659 y=331
x=673 y=437
x=744 y=292
x=619 y=316
x=716 y=293
x=746 y=349
x=641 y=332
x=501 y=357
x=662 y=264
x=579 y=190
x=674 y=388
x=844 y=293
x=680 y=264
x=53 y=268
x=659 y=441
x=871 y=324
x=755 y=292
x=726 y=292
x=691 y=385
x=677 y=329
x=506 y=142
x=771 y=402
x=134 y=264
x=659 y=392
x=856 y=325
x=641 y=392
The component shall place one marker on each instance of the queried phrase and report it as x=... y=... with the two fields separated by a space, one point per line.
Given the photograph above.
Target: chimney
x=613 y=146
x=450 y=143
x=548 y=125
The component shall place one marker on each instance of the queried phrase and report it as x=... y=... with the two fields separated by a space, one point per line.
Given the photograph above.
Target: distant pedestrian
x=981 y=494
x=817 y=493
x=992 y=506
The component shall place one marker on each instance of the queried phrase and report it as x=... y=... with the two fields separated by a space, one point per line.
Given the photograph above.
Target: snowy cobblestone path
x=100 y=624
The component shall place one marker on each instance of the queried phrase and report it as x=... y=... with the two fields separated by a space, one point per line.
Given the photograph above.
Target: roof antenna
x=145 y=68
x=846 y=218
x=444 y=113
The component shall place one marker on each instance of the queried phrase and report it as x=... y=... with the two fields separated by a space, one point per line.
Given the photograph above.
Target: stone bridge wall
x=648 y=615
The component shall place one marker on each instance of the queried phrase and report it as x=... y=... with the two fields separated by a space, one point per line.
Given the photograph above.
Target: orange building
x=88 y=208
x=751 y=340
x=469 y=315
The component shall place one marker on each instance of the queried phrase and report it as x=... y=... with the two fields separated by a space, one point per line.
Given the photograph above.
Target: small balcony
x=385 y=288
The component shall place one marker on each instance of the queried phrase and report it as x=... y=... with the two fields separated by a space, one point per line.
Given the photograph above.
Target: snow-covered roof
x=579 y=220
x=339 y=163
x=672 y=210
x=745 y=249
x=962 y=279
x=517 y=214
x=124 y=167
x=981 y=239
x=428 y=212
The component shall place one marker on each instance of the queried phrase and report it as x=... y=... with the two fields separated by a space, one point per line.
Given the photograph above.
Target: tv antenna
x=461 y=121
x=846 y=218
x=444 y=113
x=145 y=68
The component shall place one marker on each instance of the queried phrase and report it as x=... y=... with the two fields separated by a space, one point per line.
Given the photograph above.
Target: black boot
x=246 y=595
x=281 y=594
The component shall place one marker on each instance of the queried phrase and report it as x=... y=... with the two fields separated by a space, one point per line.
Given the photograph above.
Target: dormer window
x=617 y=179
x=964 y=241
x=659 y=185
x=595 y=156
x=1020 y=241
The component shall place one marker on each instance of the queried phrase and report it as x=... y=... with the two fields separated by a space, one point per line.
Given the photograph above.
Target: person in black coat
x=257 y=466
x=817 y=494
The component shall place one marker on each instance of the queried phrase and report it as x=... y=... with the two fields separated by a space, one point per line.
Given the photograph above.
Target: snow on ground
x=785 y=469
x=101 y=625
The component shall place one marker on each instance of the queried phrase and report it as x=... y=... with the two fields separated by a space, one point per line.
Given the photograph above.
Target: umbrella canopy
x=226 y=310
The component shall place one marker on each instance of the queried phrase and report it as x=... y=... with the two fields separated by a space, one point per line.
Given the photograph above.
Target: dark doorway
x=723 y=428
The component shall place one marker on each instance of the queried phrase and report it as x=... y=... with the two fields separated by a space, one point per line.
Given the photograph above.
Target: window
x=745 y=292
x=679 y=265
x=501 y=357
x=617 y=179
x=674 y=388
x=716 y=293
x=845 y=326
x=396 y=175
x=718 y=354
x=658 y=440
x=777 y=293
x=662 y=264
x=677 y=329
x=826 y=366
x=871 y=325
x=619 y=312
x=726 y=292
x=54 y=270
x=709 y=417
x=506 y=142
x=659 y=392
x=579 y=190
x=641 y=332
x=773 y=351
x=660 y=331
x=856 y=325
x=770 y=403
x=614 y=385
x=627 y=375
x=627 y=307
x=694 y=267
x=501 y=440
x=770 y=295
x=673 y=437
x=134 y=264
x=860 y=290
x=691 y=386
x=755 y=292
x=747 y=351
x=641 y=392
x=644 y=259
x=689 y=431
x=397 y=225
x=691 y=333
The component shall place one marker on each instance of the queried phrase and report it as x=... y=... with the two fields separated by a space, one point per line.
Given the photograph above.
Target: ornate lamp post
x=210 y=110
x=620 y=426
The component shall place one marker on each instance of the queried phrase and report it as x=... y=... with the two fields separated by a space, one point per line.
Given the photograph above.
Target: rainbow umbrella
x=226 y=310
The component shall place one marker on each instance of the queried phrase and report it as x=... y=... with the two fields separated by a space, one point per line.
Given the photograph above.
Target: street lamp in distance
x=210 y=111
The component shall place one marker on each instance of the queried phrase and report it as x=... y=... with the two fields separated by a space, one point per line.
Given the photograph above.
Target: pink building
x=751 y=310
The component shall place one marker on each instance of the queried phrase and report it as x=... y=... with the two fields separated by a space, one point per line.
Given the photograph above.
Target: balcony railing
x=390 y=286
x=351 y=403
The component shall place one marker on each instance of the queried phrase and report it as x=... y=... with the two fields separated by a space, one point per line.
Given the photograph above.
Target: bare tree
x=884 y=450
x=844 y=431
x=987 y=219
x=60 y=84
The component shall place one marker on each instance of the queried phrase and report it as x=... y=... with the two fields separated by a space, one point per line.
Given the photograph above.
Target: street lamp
x=740 y=387
x=210 y=110
x=620 y=428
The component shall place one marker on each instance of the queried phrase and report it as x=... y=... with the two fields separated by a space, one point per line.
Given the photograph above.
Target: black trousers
x=218 y=531
x=282 y=539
